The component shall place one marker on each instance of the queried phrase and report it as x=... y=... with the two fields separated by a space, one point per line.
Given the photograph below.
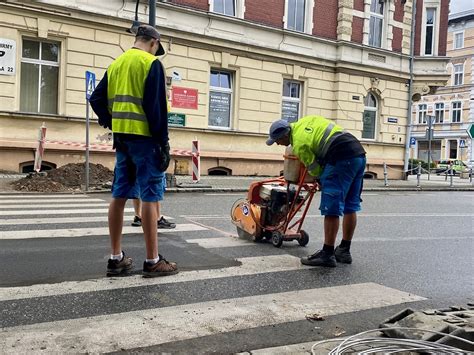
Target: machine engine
x=275 y=203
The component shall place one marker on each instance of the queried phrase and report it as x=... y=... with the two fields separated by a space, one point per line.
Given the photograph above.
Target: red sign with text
x=184 y=98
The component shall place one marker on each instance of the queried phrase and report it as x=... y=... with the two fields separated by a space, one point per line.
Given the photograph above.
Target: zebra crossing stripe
x=58 y=220
x=129 y=330
x=41 y=196
x=88 y=232
x=49 y=200
x=221 y=242
x=250 y=266
x=56 y=205
x=59 y=212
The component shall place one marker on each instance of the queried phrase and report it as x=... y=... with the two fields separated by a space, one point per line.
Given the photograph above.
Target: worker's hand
x=164 y=157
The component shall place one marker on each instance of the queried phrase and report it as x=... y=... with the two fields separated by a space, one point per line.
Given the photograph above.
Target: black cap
x=150 y=31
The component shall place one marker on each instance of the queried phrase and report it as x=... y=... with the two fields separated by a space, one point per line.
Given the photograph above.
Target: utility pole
x=152 y=14
x=429 y=134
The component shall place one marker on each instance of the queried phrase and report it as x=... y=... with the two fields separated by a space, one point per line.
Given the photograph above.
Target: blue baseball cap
x=278 y=129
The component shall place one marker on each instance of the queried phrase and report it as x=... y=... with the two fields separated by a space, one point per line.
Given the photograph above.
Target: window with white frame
x=458 y=74
x=39 y=76
x=225 y=7
x=439 y=112
x=376 y=21
x=456 y=110
x=369 y=118
x=291 y=100
x=430 y=31
x=296 y=15
x=220 y=99
x=458 y=40
x=422 y=112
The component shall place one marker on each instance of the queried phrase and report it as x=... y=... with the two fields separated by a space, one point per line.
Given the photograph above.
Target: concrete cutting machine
x=275 y=208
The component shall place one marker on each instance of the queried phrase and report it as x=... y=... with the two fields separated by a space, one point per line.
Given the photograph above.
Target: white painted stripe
x=88 y=232
x=39 y=202
x=39 y=212
x=221 y=242
x=412 y=238
x=65 y=220
x=56 y=205
x=35 y=196
x=60 y=220
x=132 y=329
x=250 y=266
x=226 y=194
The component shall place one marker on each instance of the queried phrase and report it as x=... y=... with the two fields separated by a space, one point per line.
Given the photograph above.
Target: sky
x=456 y=6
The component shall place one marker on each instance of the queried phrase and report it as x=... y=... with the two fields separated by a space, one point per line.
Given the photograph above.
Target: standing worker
x=131 y=100
x=338 y=158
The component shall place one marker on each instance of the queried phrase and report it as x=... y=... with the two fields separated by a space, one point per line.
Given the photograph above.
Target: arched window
x=369 y=118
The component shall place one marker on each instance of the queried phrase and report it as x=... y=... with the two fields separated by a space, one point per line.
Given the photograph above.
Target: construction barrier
x=196 y=162
x=40 y=149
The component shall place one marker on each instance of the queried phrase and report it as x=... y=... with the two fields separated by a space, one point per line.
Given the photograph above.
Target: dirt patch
x=70 y=177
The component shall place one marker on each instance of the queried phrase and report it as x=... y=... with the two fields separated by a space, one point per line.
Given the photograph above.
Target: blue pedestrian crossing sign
x=412 y=140
x=462 y=143
x=90 y=84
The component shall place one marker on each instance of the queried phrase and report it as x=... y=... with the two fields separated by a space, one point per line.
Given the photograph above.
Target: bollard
x=470 y=175
x=451 y=176
x=385 y=174
x=418 y=175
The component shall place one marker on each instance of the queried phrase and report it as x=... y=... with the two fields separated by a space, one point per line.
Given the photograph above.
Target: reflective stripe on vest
x=126 y=85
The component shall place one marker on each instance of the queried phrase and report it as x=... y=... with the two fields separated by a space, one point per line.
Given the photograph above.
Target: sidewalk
x=242 y=183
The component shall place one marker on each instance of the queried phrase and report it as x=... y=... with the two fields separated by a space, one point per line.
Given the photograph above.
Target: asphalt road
x=411 y=249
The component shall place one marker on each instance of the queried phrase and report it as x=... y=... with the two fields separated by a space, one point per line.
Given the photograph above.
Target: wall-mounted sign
x=219 y=109
x=184 y=98
x=7 y=57
x=290 y=111
x=176 y=119
x=392 y=120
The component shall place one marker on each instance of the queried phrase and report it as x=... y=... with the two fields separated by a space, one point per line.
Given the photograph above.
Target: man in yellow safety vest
x=338 y=158
x=131 y=100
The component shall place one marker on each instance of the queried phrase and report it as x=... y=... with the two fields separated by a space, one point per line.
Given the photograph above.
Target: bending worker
x=131 y=100
x=338 y=158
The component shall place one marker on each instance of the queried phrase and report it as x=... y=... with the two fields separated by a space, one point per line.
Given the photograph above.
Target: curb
x=240 y=189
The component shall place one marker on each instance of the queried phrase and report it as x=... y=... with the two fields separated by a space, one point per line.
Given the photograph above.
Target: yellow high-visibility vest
x=126 y=78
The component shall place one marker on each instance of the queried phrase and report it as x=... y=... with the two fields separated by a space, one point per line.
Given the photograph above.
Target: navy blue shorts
x=136 y=173
x=341 y=186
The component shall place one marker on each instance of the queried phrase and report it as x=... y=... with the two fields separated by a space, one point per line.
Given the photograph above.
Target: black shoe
x=137 y=221
x=320 y=258
x=118 y=267
x=163 y=223
x=343 y=255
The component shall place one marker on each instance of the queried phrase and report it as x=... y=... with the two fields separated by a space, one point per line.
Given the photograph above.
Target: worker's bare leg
x=149 y=220
x=349 y=224
x=331 y=227
x=116 y=208
x=137 y=206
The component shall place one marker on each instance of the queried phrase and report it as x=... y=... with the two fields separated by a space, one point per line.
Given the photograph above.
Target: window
x=439 y=112
x=39 y=76
x=376 y=23
x=296 y=15
x=422 y=112
x=458 y=40
x=220 y=99
x=226 y=7
x=458 y=74
x=430 y=31
x=456 y=112
x=369 y=118
x=291 y=103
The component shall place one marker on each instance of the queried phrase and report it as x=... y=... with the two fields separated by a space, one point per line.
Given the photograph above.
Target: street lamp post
x=429 y=134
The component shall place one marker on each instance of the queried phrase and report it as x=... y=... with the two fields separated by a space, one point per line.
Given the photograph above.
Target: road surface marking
x=39 y=202
x=65 y=220
x=129 y=330
x=88 y=232
x=37 y=212
x=221 y=242
x=56 y=205
x=40 y=196
x=198 y=217
x=250 y=266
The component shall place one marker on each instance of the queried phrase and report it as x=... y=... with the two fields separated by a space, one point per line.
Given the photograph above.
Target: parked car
x=443 y=166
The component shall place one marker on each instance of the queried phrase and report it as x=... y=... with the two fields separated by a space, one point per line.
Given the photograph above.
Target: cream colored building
x=246 y=74
x=453 y=105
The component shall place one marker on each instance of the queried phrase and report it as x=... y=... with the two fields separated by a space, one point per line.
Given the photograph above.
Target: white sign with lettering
x=7 y=56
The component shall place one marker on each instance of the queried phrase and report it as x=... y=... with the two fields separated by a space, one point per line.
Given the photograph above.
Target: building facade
x=233 y=67
x=452 y=107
